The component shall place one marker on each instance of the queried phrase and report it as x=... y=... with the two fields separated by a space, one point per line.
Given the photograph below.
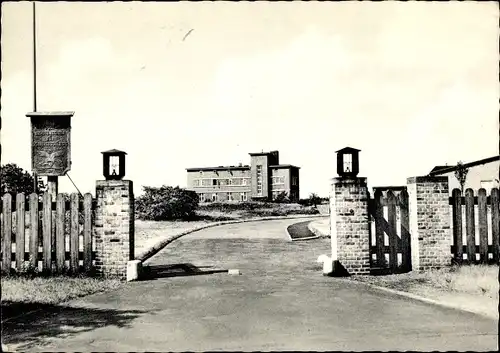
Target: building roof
x=283 y=166
x=53 y=114
x=439 y=167
x=263 y=153
x=439 y=170
x=114 y=151
x=228 y=167
x=348 y=149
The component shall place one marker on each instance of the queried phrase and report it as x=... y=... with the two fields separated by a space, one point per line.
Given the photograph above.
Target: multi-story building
x=263 y=179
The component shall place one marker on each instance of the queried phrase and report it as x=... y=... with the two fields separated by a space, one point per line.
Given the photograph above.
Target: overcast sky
x=179 y=85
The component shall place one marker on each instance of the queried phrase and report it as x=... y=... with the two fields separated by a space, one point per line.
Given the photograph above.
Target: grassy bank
x=23 y=294
x=244 y=210
x=473 y=287
x=474 y=279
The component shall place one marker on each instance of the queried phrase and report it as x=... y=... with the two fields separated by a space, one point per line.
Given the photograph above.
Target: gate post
x=429 y=212
x=114 y=224
x=349 y=226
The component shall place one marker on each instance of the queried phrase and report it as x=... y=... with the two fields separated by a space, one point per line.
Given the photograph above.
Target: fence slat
x=73 y=243
x=379 y=232
x=60 y=241
x=405 y=232
x=47 y=232
x=457 y=225
x=495 y=223
x=87 y=232
x=483 y=225
x=393 y=238
x=470 y=225
x=34 y=218
x=7 y=233
x=20 y=209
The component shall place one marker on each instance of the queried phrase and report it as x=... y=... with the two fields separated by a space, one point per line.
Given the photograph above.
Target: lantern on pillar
x=113 y=164
x=348 y=162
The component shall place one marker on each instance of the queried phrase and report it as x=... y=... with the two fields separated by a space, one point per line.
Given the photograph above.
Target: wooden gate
x=389 y=231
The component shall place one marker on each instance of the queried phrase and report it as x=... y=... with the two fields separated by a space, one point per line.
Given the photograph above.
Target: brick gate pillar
x=429 y=212
x=349 y=226
x=114 y=224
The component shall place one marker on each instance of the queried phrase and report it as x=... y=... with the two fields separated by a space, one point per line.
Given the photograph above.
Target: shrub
x=166 y=203
x=15 y=179
x=282 y=197
x=281 y=212
x=238 y=206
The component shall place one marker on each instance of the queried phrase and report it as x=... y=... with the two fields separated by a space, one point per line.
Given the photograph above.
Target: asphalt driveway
x=281 y=301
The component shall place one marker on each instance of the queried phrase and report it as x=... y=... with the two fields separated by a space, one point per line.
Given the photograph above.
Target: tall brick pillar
x=349 y=225
x=114 y=222
x=429 y=212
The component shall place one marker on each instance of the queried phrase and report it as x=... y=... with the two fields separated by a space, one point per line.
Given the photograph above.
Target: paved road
x=280 y=302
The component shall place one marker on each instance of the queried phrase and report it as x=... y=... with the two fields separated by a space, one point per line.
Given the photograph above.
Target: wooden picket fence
x=49 y=237
x=477 y=241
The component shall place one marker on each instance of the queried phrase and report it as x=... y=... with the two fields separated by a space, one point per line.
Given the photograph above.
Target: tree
x=15 y=179
x=166 y=203
x=461 y=174
x=314 y=199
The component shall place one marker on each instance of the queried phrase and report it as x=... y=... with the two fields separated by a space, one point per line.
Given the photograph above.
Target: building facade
x=263 y=179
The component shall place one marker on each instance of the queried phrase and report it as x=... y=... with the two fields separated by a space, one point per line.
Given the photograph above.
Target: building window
x=196 y=182
x=244 y=181
x=230 y=196
x=214 y=182
x=295 y=180
x=259 y=180
x=201 y=197
x=277 y=180
x=215 y=198
x=243 y=196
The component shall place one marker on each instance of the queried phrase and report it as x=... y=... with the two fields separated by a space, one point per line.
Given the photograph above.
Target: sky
x=198 y=84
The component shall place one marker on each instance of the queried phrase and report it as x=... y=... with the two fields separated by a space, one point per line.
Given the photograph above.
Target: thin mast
x=34 y=58
x=35 y=177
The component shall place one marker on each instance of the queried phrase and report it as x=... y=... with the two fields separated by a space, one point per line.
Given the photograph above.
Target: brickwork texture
x=429 y=222
x=114 y=227
x=350 y=224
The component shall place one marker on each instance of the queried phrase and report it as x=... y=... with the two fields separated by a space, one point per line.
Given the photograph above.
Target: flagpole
x=35 y=177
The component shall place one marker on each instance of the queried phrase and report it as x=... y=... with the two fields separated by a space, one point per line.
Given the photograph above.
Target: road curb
x=317 y=231
x=421 y=298
x=153 y=250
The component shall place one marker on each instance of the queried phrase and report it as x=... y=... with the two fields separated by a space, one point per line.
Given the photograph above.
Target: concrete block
x=134 y=270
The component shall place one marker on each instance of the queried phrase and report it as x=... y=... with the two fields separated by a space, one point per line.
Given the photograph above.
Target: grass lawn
x=472 y=287
x=24 y=294
x=300 y=230
x=148 y=233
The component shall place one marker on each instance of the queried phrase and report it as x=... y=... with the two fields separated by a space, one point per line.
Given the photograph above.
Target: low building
x=483 y=173
x=263 y=179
